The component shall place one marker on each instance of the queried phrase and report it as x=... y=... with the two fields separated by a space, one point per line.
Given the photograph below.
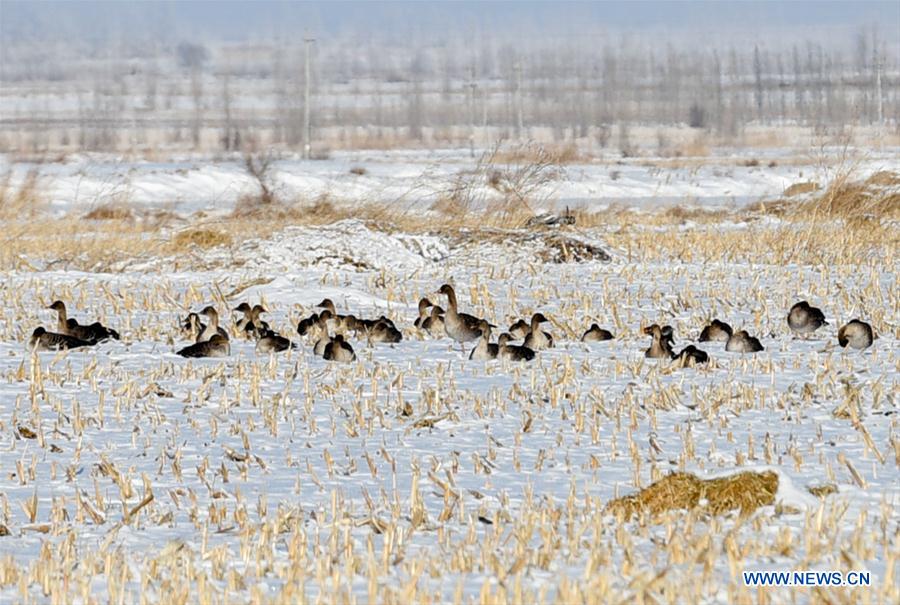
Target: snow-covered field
x=186 y=184
x=132 y=475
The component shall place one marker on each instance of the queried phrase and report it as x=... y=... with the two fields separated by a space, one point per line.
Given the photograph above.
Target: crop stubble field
x=416 y=475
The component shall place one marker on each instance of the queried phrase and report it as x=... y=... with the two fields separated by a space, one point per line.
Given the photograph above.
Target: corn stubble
x=287 y=480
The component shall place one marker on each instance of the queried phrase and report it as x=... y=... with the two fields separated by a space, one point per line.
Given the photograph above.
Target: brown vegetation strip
x=746 y=491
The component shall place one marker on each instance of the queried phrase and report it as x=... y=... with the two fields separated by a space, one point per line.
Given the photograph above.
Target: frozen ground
x=414 y=474
x=188 y=184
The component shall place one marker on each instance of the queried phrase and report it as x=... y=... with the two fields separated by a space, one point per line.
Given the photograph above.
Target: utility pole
x=307 y=128
x=878 y=92
x=519 y=121
x=472 y=86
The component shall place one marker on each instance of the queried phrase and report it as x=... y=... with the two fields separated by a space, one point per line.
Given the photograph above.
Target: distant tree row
x=196 y=95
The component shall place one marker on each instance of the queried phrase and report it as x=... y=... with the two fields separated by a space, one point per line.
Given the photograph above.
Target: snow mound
x=345 y=244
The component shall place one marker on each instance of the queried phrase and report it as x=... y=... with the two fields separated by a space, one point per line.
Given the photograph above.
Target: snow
x=417 y=179
x=271 y=425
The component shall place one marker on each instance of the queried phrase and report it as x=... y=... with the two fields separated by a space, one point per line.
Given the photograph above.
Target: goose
x=434 y=323
x=661 y=347
x=307 y=324
x=212 y=327
x=191 y=327
x=367 y=325
x=718 y=331
x=485 y=349
x=423 y=312
x=320 y=338
x=804 y=319
x=216 y=346
x=42 y=340
x=461 y=327
x=336 y=321
x=596 y=334
x=246 y=320
x=383 y=331
x=518 y=330
x=537 y=339
x=691 y=355
x=513 y=352
x=856 y=333
x=742 y=342
x=92 y=334
x=257 y=326
x=271 y=342
x=339 y=350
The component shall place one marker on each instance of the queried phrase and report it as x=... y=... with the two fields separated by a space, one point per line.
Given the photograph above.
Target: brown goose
x=424 y=304
x=661 y=347
x=856 y=333
x=257 y=327
x=513 y=352
x=270 y=342
x=691 y=355
x=212 y=328
x=742 y=342
x=42 y=340
x=191 y=327
x=216 y=346
x=537 y=339
x=461 y=327
x=337 y=321
x=596 y=334
x=245 y=321
x=383 y=331
x=365 y=326
x=519 y=330
x=434 y=323
x=320 y=337
x=804 y=319
x=307 y=324
x=718 y=331
x=485 y=349
x=339 y=350
x=92 y=334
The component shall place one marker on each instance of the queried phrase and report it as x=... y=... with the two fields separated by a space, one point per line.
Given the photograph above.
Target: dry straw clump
x=746 y=491
x=876 y=197
x=201 y=238
x=801 y=188
x=113 y=211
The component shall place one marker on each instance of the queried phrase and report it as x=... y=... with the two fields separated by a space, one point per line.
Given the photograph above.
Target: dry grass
x=199 y=238
x=801 y=188
x=745 y=491
x=112 y=211
x=22 y=201
x=875 y=198
x=532 y=153
x=458 y=516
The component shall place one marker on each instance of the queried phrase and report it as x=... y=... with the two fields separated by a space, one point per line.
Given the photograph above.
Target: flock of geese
x=327 y=332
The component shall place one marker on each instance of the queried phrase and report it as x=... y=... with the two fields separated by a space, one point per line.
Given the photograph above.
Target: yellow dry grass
x=877 y=197
x=200 y=238
x=745 y=491
x=801 y=188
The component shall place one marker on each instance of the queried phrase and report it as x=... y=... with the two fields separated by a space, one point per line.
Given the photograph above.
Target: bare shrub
x=259 y=166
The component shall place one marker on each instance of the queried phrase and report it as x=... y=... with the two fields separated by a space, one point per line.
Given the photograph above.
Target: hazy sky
x=235 y=20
